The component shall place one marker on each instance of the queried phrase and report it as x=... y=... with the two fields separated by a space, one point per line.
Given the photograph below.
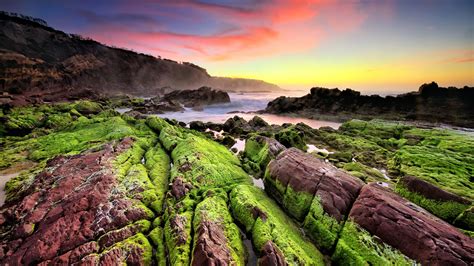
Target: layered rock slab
x=314 y=191
x=411 y=229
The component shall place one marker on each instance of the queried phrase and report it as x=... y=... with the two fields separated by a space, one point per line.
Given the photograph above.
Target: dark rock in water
x=175 y=100
x=236 y=126
x=227 y=141
x=197 y=98
x=271 y=256
x=135 y=114
x=210 y=248
x=411 y=229
x=198 y=125
x=258 y=122
x=429 y=190
x=157 y=106
x=431 y=104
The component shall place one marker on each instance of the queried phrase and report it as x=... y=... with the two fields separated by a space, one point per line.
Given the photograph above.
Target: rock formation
x=430 y=104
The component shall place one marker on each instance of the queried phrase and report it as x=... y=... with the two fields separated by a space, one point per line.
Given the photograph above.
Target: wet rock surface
x=175 y=101
x=410 y=228
x=200 y=97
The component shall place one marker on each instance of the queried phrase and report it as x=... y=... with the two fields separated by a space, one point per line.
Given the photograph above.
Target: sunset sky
x=369 y=45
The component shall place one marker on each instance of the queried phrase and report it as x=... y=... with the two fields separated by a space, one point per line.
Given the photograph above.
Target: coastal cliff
x=40 y=63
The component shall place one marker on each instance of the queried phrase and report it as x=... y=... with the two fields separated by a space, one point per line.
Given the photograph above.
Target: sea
x=244 y=105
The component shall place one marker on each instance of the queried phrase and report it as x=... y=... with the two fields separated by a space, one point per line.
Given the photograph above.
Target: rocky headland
x=42 y=64
x=430 y=103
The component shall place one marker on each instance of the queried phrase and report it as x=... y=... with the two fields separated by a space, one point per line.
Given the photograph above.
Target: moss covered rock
x=267 y=222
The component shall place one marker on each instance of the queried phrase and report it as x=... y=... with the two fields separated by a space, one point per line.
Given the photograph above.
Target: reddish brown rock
x=74 y=255
x=179 y=188
x=411 y=229
x=178 y=225
x=271 y=256
x=72 y=202
x=115 y=236
x=211 y=247
x=305 y=173
x=257 y=213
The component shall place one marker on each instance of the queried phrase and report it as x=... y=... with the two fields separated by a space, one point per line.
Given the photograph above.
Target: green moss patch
x=214 y=209
x=446 y=210
x=321 y=227
x=178 y=238
x=266 y=221
x=290 y=137
x=357 y=247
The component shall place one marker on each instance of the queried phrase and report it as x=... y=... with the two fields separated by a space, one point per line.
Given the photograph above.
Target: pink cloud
x=275 y=27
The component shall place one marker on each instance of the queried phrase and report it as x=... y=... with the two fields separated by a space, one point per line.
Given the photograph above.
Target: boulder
x=314 y=191
x=410 y=229
x=197 y=98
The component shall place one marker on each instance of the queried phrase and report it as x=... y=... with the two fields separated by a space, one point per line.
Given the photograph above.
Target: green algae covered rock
x=156 y=236
x=357 y=247
x=441 y=203
x=178 y=237
x=466 y=220
x=135 y=250
x=267 y=222
x=447 y=169
x=290 y=137
x=313 y=191
x=365 y=173
x=87 y=107
x=321 y=227
x=200 y=162
x=157 y=163
x=259 y=150
x=216 y=237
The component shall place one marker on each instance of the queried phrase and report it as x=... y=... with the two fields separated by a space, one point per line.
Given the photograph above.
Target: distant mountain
x=430 y=103
x=37 y=60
